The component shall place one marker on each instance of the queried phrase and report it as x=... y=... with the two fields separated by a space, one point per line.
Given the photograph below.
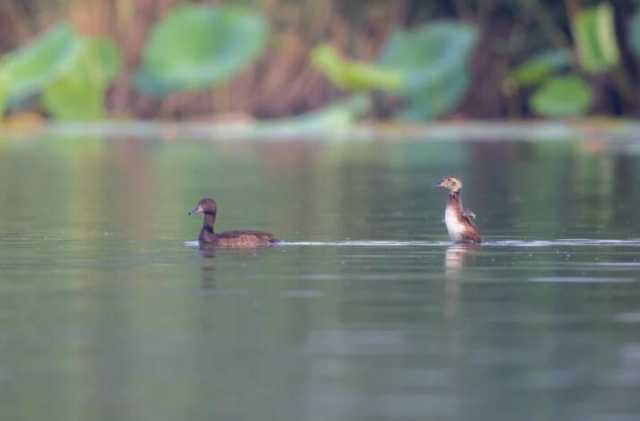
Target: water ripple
x=566 y=242
x=562 y=242
x=580 y=280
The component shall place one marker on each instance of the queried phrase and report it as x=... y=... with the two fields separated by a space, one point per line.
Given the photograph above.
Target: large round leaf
x=562 y=97
x=31 y=67
x=429 y=53
x=438 y=99
x=78 y=92
x=432 y=60
x=197 y=46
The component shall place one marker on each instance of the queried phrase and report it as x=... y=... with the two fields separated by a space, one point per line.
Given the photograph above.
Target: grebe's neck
x=454 y=199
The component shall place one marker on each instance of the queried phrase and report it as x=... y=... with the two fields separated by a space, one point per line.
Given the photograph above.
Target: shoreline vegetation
x=307 y=64
x=592 y=130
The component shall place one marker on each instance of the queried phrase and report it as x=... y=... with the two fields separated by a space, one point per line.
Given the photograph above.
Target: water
x=365 y=312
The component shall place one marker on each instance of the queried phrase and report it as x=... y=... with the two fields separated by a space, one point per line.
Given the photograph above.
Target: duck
x=460 y=222
x=232 y=239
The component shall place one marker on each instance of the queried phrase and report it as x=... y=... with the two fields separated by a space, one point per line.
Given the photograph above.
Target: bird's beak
x=438 y=184
x=195 y=211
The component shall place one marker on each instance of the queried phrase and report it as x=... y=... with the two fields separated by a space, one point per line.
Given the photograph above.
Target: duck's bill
x=195 y=211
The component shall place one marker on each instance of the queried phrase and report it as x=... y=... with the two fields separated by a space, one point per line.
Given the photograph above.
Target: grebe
x=459 y=221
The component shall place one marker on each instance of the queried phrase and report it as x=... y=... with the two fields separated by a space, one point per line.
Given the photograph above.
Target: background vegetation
x=262 y=59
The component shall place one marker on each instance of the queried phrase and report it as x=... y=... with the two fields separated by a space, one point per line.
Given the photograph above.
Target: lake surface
x=365 y=313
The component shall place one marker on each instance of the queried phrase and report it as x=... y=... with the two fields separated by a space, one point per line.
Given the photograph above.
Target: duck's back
x=245 y=238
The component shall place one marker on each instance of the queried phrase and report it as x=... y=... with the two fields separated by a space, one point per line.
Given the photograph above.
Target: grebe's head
x=206 y=206
x=450 y=183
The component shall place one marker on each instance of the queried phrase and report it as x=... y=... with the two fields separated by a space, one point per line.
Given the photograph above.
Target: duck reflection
x=225 y=259
x=207 y=251
x=208 y=267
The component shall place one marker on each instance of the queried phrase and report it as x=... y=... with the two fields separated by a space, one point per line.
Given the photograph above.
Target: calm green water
x=367 y=314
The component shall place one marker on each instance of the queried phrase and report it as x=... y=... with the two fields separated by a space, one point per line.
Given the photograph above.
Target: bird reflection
x=230 y=257
x=208 y=268
x=207 y=250
x=456 y=258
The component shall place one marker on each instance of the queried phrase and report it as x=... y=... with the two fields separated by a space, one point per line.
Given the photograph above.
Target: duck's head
x=205 y=206
x=450 y=183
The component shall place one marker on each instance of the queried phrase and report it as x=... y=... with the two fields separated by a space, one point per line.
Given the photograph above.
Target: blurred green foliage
x=30 y=68
x=596 y=46
x=78 y=91
x=553 y=96
x=425 y=66
x=354 y=76
x=5 y=85
x=562 y=96
x=197 y=46
x=331 y=119
x=433 y=59
x=595 y=38
x=539 y=67
x=551 y=59
x=71 y=73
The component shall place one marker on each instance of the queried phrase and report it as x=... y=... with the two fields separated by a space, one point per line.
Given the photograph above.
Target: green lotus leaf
x=4 y=92
x=336 y=116
x=595 y=38
x=432 y=59
x=438 y=99
x=353 y=75
x=30 y=68
x=563 y=96
x=536 y=69
x=78 y=92
x=197 y=46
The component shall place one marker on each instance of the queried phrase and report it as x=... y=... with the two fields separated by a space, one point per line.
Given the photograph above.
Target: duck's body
x=237 y=239
x=459 y=221
x=233 y=239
